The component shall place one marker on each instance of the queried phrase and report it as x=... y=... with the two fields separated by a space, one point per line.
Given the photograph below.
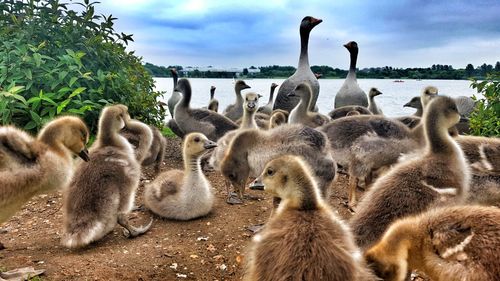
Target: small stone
x=202 y=238
x=218 y=257
x=239 y=259
x=211 y=248
x=179 y=275
x=193 y=256
x=173 y=266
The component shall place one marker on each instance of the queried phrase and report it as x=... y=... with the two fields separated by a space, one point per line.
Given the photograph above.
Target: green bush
x=485 y=119
x=54 y=60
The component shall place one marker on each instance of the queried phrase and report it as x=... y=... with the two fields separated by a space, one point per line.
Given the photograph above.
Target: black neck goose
x=350 y=93
x=303 y=72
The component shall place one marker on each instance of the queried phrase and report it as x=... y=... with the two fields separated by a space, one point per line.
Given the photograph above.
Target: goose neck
x=352 y=66
x=437 y=137
x=248 y=121
x=304 y=42
x=192 y=163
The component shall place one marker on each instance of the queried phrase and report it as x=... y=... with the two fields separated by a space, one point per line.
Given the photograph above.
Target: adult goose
x=303 y=72
x=350 y=93
x=176 y=95
x=188 y=120
x=268 y=108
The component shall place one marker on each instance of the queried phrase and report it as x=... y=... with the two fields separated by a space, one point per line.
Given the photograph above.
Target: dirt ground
x=210 y=248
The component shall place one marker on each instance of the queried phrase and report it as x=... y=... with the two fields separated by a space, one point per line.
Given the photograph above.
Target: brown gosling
x=187 y=194
x=250 y=106
x=135 y=132
x=30 y=166
x=268 y=108
x=448 y=244
x=235 y=111
x=304 y=239
x=301 y=114
x=213 y=104
x=276 y=119
x=372 y=105
x=102 y=191
x=440 y=175
x=427 y=95
x=251 y=149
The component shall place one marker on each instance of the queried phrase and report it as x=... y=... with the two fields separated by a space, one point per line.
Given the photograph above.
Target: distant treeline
x=436 y=71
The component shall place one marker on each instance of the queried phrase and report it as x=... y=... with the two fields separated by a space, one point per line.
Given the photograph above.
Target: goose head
x=274 y=85
x=374 y=92
x=308 y=23
x=240 y=85
x=197 y=143
x=71 y=132
x=386 y=265
x=302 y=90
x=277 y=118
x=289 y=178
x=114 y=117
x=415 y=102
x=251 y=102
x=183 y=86
x=173 y=71
x=352 y=46
x=428 y=93
x=443 y=110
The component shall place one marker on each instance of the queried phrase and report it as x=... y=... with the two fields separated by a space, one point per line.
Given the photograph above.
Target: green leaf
x=38 y=59
x=62 y=105
x=33 y=99
x=77 y=91
x=62 y=75
x=31 y=125
x=16 y=89
x=72 y=81
x=28 y=74
x=35 y=117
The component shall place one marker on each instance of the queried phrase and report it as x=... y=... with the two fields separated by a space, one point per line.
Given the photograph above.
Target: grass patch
x=166 y=132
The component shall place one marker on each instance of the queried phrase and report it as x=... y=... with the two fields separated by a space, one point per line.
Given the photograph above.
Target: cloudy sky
x=241 y=33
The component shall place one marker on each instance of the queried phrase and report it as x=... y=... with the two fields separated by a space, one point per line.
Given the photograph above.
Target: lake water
x=394 y=96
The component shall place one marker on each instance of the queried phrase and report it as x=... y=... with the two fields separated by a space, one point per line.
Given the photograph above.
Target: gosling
x=440 y=175
x=304 y=239
x=102 y=191
x=183 y=195
x=448 y=244
x=30 y=166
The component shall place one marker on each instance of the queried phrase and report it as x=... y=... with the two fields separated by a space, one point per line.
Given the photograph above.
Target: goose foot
x=255 y=228
x=2 y=246
x=233 y=199
x=132 y=231
x=25 y=273
x=138 y=208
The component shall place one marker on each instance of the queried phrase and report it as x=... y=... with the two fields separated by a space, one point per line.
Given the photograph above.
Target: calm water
x=395 y=95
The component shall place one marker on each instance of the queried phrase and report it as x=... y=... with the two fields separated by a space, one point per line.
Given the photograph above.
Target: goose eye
x=197 y=139
x=270 y=172
x=232 y=176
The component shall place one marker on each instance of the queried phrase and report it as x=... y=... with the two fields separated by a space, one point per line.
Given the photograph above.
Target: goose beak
x=84 y=154
x=257 y=184
x=246 y=87
x=209 y=144
x=407 y=105
x=316 y=21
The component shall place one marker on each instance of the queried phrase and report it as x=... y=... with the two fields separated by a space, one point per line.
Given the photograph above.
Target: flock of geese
x=431 y=194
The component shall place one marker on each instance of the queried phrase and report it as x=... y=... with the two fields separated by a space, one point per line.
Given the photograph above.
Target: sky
x=242 y=33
